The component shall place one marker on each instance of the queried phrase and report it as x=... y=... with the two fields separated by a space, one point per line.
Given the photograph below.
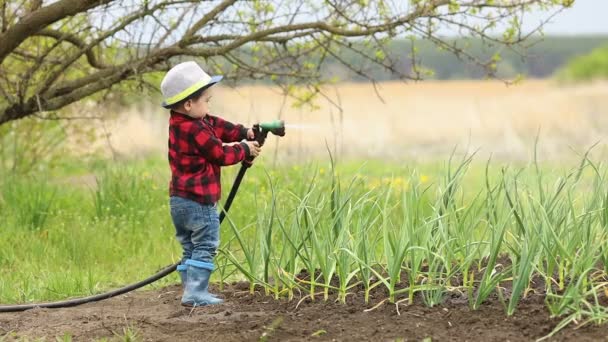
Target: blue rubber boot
x=183 y=274
x=197 y=284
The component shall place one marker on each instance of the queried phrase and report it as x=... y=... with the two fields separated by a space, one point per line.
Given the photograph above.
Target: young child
x=196 y=153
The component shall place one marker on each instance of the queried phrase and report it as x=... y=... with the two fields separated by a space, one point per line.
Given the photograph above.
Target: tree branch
x=71 y=38
x=46 y=85
x=204 y=20
x=323 y=26
x=41 y=18
x=4 y=19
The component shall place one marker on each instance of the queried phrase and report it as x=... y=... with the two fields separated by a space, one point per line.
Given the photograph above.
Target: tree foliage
x=53 y=53
x=588 y=67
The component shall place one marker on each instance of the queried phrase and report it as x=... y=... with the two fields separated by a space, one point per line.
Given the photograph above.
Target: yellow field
x=424 y=120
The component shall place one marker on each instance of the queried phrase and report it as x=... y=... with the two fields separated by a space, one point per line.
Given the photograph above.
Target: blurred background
x=559 y=95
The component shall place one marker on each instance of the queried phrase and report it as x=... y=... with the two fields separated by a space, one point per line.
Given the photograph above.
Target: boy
x=196 y=153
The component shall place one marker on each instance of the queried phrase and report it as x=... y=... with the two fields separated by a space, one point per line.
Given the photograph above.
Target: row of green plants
x=421 y=233
x=521 y=227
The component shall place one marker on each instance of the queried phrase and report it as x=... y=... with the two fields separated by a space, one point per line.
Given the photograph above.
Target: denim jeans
x=197 y=228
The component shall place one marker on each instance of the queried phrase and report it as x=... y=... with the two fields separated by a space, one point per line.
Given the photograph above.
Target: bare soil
x=157 y=316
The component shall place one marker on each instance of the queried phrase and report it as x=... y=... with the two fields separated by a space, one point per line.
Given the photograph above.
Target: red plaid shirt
x=196 y=153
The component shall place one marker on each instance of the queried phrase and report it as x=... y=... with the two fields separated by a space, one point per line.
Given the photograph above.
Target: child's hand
x=254 y=148
x=250 y=134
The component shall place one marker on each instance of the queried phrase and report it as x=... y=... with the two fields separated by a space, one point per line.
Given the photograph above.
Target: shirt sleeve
x=215 y=152
x=227 y=131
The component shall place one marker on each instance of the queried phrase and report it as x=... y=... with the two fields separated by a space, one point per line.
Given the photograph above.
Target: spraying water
x=303 y=126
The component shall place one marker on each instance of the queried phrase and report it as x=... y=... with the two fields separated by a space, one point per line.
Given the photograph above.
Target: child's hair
x=194 y=96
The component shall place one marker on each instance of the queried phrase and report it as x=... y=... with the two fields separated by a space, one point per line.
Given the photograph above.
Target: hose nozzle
x=276 y=127
x=260 y=130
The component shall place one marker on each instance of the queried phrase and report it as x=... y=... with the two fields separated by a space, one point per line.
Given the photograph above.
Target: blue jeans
x=197 y=228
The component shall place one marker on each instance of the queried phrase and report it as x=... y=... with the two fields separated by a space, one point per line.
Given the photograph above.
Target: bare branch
x=64 y=36
x=230 y=37
x=205 y=19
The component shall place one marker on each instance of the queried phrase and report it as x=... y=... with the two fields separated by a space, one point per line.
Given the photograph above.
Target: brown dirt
x=157 y=316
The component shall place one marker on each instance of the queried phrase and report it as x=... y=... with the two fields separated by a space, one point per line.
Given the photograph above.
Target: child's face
x=200 y=107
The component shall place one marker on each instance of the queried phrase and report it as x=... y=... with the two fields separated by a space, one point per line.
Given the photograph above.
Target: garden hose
x=260 y=133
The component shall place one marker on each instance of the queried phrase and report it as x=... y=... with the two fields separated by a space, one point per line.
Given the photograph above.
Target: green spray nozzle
x=272 y=125
x=276 y=127
x=260 y=131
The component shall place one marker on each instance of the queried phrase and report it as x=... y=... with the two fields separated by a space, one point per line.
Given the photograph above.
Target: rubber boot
x=197 y=285
x=182 y=274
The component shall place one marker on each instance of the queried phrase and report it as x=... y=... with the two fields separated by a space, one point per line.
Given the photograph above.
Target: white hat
x=184 y=80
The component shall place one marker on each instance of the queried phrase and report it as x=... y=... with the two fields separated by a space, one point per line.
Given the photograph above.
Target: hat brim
x=214 y=80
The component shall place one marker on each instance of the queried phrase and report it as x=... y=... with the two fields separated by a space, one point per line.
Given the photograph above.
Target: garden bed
x=157 y=316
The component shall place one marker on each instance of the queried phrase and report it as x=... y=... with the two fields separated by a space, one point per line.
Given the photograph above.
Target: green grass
x=413 y=229
x=90 y=239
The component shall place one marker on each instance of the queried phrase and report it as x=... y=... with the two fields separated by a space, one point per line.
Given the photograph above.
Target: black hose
x=235 y=187
x=95 y=298
x=163 y=273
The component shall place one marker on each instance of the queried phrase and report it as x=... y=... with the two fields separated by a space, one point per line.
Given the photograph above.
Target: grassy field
x=419 y=223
